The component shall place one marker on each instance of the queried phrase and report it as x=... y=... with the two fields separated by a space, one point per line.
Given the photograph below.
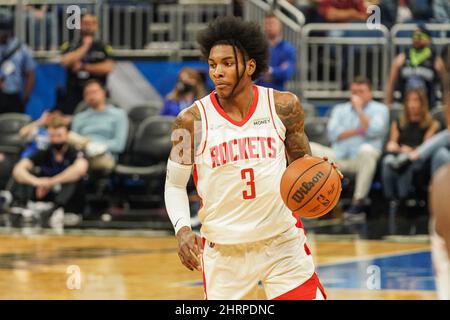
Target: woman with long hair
x=414 y=126
x=190 y=86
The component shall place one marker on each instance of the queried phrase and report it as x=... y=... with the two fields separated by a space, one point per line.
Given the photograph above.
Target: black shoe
x=400 y=163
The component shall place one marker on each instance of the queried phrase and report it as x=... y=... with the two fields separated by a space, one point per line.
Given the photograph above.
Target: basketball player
x=440 y=230
x=235 y=142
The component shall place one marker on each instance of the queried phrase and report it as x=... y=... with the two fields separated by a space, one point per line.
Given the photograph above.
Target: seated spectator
x=282 y=55
x=405 y=11
x=413 y=127
x=85 y=59
x=101 y=130
x=52 y=175
x=441 y=11
x=436 y=148
x=35 y=133
x=356 y=130
x=190 y=86
x=16 y=69
x=342 y=10
x=419 y=68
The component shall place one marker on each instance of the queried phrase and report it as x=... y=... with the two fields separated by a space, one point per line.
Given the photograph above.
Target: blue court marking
x=410 y=271
x=405 y=271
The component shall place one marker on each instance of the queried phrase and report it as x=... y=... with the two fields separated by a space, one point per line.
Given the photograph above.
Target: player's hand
x=189 y=248
x=334 y=165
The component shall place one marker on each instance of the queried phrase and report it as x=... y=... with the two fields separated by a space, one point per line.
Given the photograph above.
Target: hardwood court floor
x=35 y=266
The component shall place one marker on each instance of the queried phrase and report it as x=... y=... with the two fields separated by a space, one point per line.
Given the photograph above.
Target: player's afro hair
x=247 y=37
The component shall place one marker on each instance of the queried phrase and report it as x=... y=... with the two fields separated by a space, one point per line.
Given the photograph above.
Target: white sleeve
x=175 y=194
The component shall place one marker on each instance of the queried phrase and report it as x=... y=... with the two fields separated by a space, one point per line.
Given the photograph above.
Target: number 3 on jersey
x=248 y=175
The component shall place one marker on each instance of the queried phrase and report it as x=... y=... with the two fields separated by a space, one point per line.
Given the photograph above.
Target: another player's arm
x=291 y=113
x=179 y=168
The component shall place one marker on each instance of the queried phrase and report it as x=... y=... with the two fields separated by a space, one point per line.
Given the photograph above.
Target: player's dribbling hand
x=334 y=165
x=189 y=248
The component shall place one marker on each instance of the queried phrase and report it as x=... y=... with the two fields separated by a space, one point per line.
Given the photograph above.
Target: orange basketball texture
x=310 y=187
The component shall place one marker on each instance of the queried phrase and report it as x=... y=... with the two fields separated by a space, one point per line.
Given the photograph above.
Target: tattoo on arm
x=186 y=135
x=291 y=113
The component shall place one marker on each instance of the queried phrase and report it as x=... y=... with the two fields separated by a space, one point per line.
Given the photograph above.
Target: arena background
x=124 y=246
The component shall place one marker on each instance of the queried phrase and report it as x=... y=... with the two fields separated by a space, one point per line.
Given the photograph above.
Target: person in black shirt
x=418 y=68
x=413 y=127
x=53 y=174
x=85 y=59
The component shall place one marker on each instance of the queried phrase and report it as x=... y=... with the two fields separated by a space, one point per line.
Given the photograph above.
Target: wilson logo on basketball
x=303 y=191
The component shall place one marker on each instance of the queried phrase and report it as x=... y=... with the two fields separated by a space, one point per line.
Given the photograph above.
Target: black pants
x=11 y=103
x=70 y=197
x=73 y=96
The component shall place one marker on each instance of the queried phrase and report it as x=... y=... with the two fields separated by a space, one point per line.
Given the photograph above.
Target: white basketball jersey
x=238 y=168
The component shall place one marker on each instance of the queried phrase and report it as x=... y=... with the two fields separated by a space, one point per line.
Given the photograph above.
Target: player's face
x=222 y=70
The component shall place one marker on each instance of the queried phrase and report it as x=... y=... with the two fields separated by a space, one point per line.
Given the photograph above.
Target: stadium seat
x=395 y=111
x=316 y=130
x=310 y=110
x=139 y=113
x=438 y=114
x=143 y=177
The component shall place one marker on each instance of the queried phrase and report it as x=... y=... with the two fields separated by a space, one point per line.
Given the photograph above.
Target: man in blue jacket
x=282 y=55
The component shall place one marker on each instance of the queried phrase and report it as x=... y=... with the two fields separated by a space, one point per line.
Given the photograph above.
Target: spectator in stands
x=441 y=11
x=405 y=11
x=189 y=87
x=85 y=59
x=413 y=127
x=16 y=69
x=356 y=130
x=342 y=10
x=418 y=68
x=282 y=55
x=101 y=130
x=35 y=133
x=53 y=174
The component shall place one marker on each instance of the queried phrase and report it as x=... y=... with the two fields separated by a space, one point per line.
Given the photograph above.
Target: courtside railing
x=292 y=20
x=133 y=28
x=333 y=54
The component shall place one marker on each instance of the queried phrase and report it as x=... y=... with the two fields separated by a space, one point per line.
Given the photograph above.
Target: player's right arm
x=179 y=168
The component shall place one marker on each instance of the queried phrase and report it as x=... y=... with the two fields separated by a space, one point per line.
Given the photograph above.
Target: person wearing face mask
x=52 y=175
x=189 y=87
x=418 y=68
x=85 y=59
x=16 y=69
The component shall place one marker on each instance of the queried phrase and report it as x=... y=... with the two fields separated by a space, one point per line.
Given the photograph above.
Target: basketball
x=310 y=187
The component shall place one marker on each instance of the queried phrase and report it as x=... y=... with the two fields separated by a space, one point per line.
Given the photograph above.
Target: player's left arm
x=291 y=113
